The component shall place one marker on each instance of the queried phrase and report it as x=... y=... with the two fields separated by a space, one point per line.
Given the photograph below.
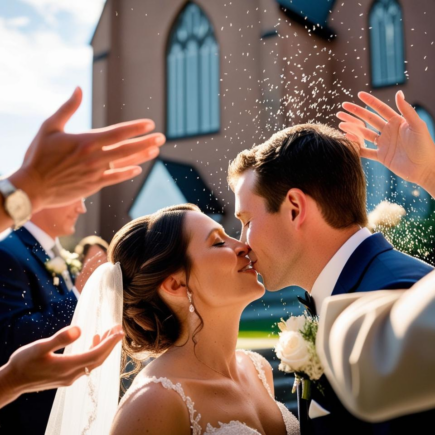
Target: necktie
x=65 y=274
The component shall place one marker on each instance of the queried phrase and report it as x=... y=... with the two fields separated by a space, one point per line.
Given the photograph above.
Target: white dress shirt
x=328 y=277
x=324 y=286
x=47 y=244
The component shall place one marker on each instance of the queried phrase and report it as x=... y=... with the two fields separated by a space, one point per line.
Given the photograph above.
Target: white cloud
x=37 y=69
x=41 y=62
x=86 y=11
x=19 y=22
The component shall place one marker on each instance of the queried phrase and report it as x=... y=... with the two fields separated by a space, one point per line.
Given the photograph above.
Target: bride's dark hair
x=149 y=249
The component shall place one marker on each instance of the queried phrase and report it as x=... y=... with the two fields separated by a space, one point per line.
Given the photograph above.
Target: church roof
x=173 y=183
x=315 y=11
x=312 y=13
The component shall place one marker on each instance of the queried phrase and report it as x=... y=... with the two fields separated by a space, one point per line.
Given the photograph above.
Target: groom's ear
x=296 y=206
x=174 y=285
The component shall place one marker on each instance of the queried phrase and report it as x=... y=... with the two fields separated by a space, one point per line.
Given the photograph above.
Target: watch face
x=18 y=206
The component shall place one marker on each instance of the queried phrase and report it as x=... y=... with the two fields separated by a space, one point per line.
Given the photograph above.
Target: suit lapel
x=39 y=253
x=37 y=250
x=359 y=262
x=348 y=282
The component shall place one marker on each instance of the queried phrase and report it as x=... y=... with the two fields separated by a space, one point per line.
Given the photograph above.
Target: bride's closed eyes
x=220 y=237
x=219 y=244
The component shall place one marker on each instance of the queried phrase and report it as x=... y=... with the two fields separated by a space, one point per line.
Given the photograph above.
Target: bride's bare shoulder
x=151 y=408
x=166 y=365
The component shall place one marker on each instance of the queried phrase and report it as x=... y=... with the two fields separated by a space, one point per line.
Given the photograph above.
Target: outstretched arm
x=61 y=167
x=377 y=350
x=404 y=144
x=51 y=370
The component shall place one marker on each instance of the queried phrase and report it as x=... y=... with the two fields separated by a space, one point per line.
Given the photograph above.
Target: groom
x=301 y=199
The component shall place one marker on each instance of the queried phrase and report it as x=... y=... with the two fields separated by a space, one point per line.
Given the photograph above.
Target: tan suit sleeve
x=378 y=350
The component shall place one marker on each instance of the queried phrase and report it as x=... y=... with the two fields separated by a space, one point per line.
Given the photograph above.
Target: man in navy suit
x=301 y=199
x=34 y=303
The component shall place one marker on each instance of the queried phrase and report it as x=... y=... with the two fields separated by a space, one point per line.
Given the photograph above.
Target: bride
x=184 y=286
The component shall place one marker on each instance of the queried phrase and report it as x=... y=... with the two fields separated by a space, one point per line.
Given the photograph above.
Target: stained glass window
x=387 y=43
x=192 y=76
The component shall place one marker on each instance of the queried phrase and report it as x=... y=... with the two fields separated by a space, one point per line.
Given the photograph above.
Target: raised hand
x=60 y=167
x=404 y=144
x=35 y=367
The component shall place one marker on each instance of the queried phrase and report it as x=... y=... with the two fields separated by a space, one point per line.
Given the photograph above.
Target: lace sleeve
x=291 y=422
x=169 y=385
x=259 y=361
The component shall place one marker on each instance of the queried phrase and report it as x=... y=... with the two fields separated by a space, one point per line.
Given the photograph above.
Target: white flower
x=66 y=255
x=293 y=351
x=57 y=265
x=386 y=215
x=315 y=370
x=296 y=348
x=72 y=260
x=293 y=323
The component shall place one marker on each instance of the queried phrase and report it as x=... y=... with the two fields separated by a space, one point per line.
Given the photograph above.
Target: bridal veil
x=89 y=405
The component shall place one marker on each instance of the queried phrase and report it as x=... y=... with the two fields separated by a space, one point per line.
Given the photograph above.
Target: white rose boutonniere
x=72 y=261
x=56 y=266
x=296 y=350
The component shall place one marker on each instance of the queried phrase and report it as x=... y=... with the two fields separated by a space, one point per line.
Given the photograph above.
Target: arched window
x=192 y=76
x=425 y=116
x=387 y=43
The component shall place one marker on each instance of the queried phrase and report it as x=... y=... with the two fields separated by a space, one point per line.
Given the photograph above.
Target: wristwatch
x=16 y=203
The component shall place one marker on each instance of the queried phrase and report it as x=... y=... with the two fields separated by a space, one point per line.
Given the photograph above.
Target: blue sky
x=44 y=55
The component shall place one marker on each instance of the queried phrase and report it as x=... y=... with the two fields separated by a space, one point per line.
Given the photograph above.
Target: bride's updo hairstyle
x=149 y=249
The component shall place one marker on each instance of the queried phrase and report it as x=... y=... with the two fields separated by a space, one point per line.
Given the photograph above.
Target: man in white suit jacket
x=378 y=348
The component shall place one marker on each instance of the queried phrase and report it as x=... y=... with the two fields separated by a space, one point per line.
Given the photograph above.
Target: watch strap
x=16 y=203
x=6 y=188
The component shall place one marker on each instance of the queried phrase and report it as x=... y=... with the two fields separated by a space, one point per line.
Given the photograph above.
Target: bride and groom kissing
x=179 y=285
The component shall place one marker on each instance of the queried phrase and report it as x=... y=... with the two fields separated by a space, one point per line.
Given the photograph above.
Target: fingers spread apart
x=366 y=115
x=119 y=132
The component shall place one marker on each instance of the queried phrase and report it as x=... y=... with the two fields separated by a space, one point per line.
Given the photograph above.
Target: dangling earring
x=191 y=307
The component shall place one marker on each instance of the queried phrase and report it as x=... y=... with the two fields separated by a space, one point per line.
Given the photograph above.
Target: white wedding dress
x=90 y=404
x=232 y=427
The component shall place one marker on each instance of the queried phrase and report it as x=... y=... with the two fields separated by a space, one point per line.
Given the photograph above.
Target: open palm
x=403 y=143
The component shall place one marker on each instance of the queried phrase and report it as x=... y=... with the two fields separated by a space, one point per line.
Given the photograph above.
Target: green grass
x=257 y=334
x=260 y=326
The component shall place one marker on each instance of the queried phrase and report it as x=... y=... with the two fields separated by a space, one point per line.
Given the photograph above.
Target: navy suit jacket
x=31 y=308
x=374 y=265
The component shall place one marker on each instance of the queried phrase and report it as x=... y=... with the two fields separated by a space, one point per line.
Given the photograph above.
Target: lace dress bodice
x=233 y=427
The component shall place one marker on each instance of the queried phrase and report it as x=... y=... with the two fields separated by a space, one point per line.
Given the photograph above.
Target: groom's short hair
x=314 y=158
